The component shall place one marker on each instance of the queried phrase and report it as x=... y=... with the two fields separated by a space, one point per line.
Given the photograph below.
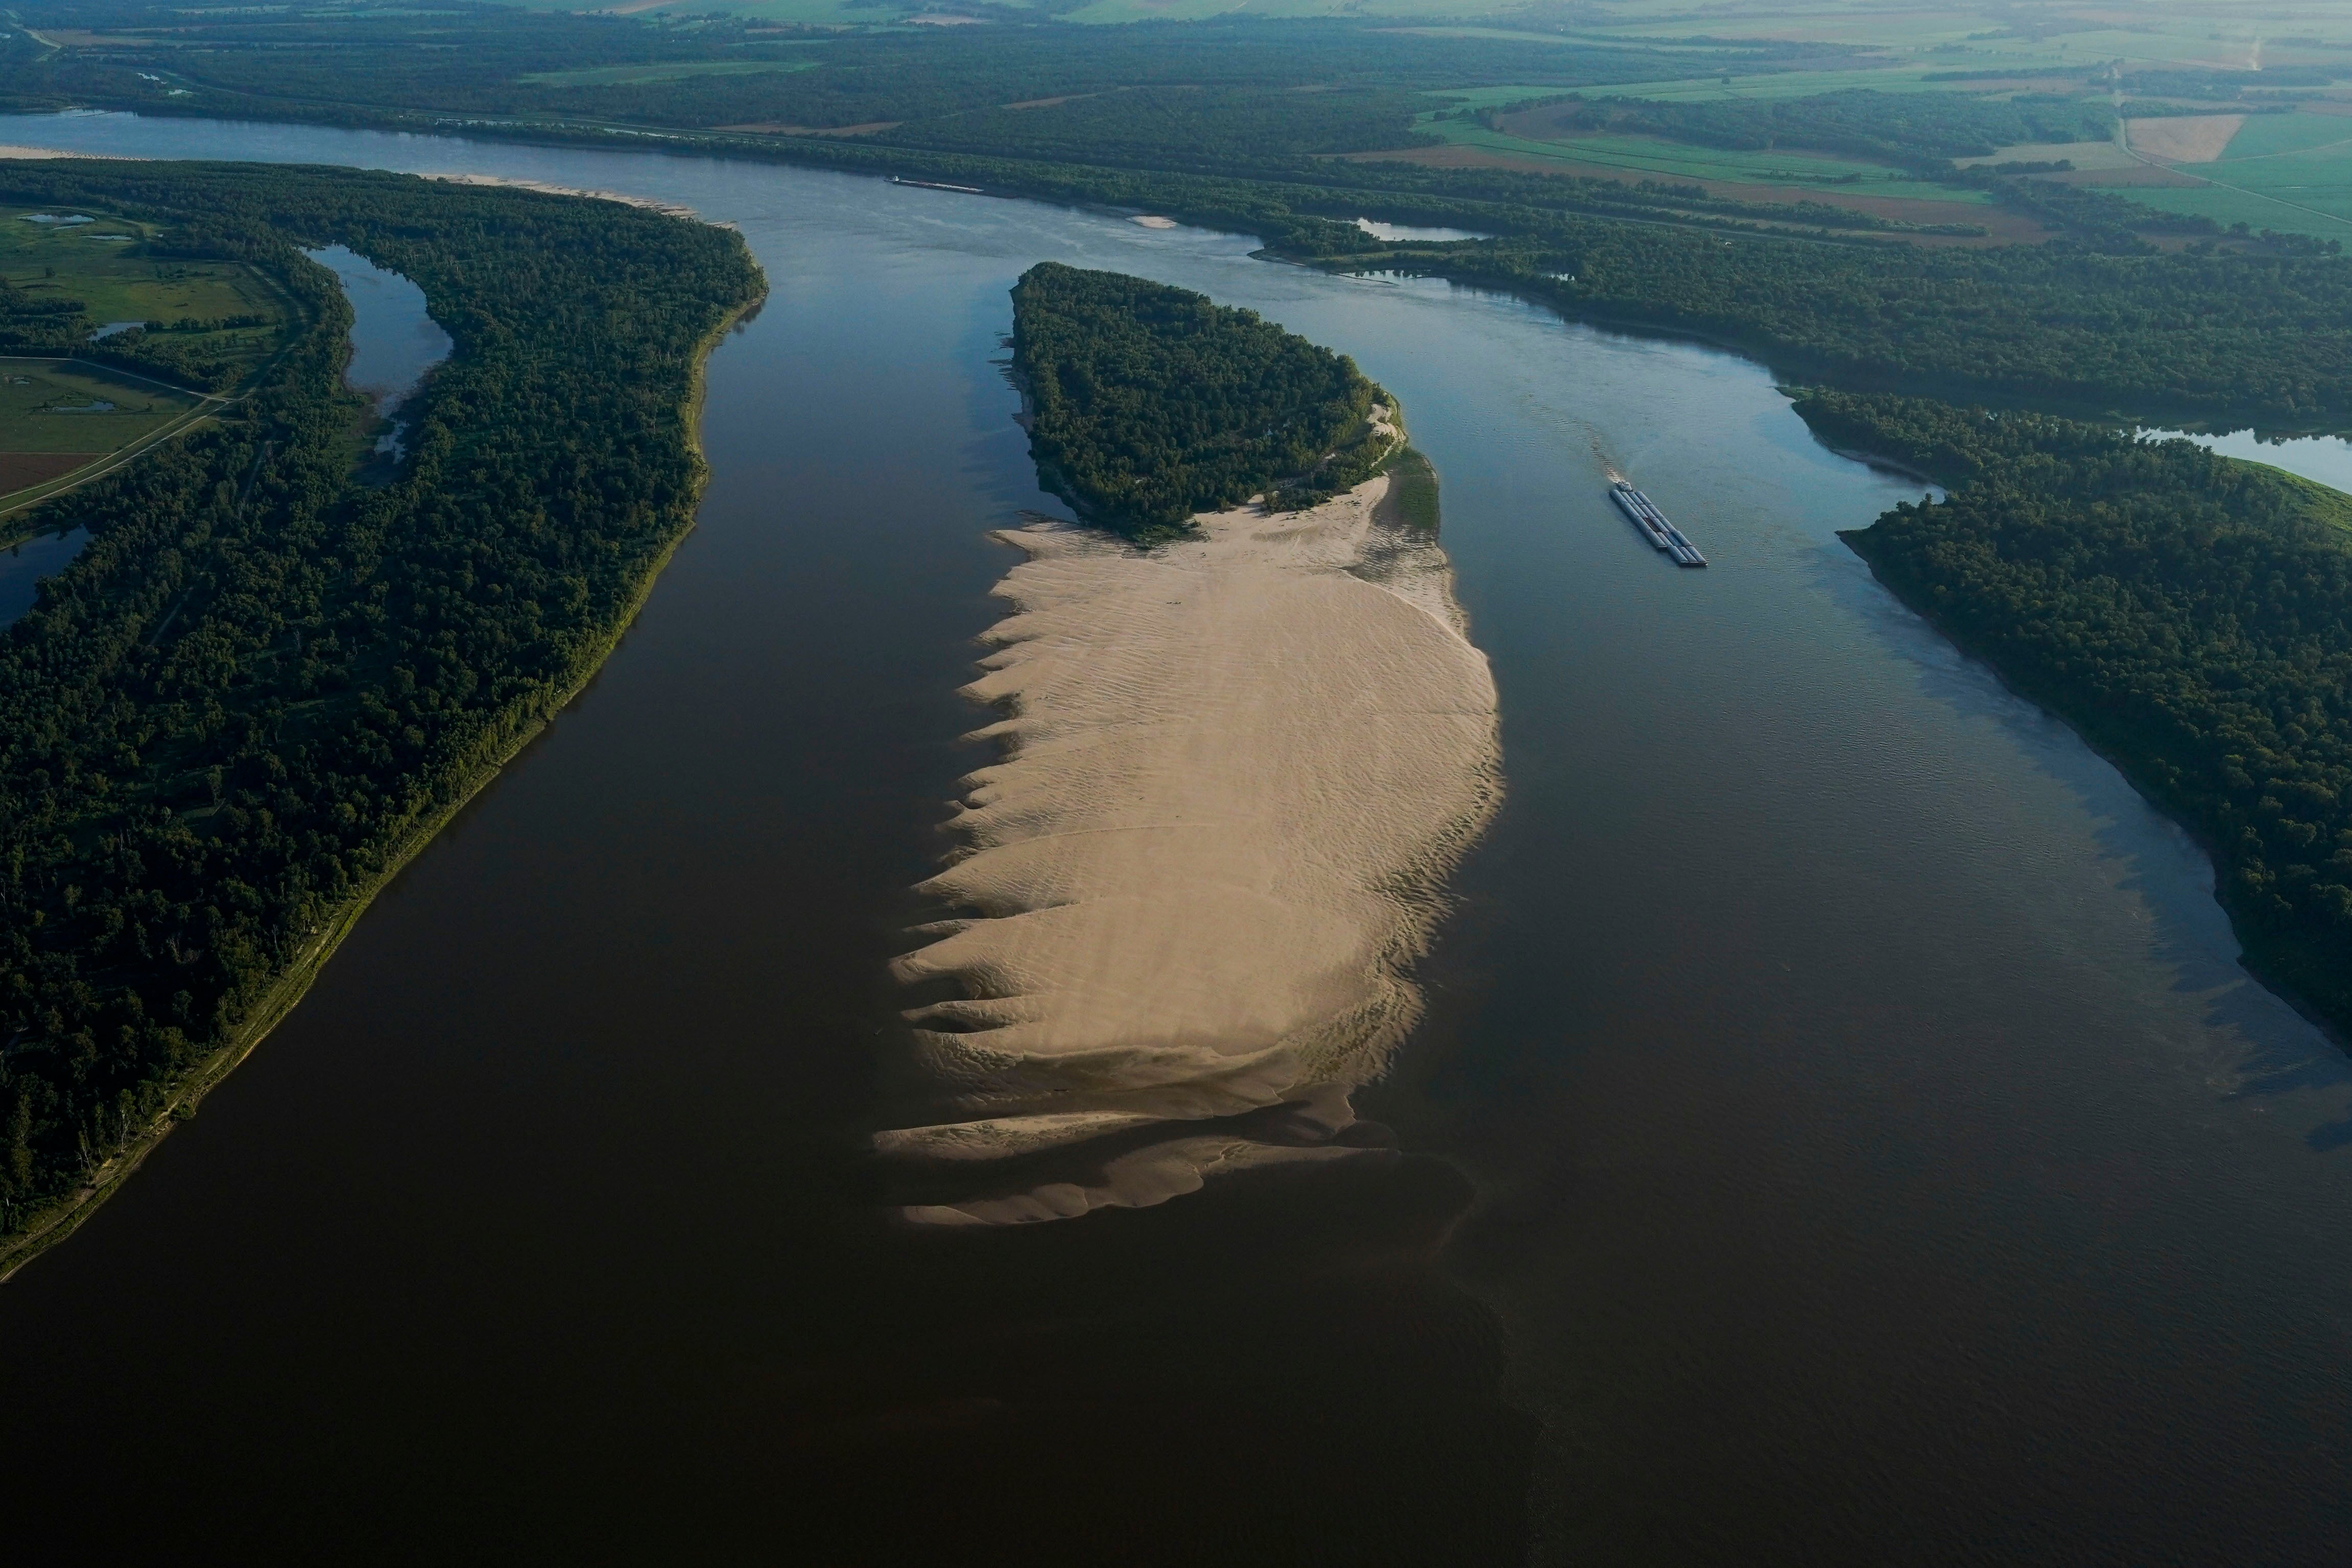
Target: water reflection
x=2327 y=460
x=394 y=341
x=1402 y=232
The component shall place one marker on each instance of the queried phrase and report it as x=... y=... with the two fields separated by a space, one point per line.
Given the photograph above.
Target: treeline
x=1148 y=404
x=2190 y=615
x=2262 y=336
x=261 y=684
x=1912 y=129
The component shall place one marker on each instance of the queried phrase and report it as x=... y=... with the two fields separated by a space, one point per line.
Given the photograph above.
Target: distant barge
x=1653 y=524
x=938 y=185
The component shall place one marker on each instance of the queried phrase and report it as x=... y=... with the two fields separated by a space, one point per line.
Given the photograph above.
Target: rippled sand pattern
x=1236 y=770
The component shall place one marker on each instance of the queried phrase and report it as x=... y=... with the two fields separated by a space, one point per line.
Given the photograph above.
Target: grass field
x=100 y=264
x=2282 y=135
x=69 y=406
x=57 y=415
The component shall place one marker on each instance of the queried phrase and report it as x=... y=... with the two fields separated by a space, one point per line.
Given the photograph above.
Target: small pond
x=1403 y=232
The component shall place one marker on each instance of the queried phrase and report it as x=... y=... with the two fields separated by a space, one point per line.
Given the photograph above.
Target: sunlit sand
x=1237 y=769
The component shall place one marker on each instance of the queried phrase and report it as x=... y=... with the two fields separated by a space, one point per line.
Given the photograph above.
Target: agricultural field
x=1535 y=140
x=2225 y=34
x=1529 y=134
x=60 y=415
x=101 y=262
x=2286 y=171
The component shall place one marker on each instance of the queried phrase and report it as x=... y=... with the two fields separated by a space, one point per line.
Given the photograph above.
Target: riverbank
x=1238 y=769
x=2109 y=580
x=59 y=1220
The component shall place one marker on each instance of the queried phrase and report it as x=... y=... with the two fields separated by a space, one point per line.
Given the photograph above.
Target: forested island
x=1151 y=402
x=2190 y=615
x=263 y=686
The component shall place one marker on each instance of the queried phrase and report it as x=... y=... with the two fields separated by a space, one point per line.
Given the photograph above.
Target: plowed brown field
x=21 y=470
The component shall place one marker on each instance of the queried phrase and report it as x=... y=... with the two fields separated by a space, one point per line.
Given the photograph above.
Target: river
x=1842 y=1132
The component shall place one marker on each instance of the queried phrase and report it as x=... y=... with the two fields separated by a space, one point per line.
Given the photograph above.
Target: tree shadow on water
x=2255 y=1043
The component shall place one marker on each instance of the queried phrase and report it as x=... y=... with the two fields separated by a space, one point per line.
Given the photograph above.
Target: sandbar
x=1235 y=770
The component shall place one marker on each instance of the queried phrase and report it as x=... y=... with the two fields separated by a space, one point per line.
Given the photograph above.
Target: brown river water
x=1840 y=1134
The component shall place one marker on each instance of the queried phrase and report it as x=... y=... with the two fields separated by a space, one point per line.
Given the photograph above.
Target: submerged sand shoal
x=1236 y=770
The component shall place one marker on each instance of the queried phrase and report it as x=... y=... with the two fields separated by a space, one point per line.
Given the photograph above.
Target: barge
x=938 y=185
x=1654 y=525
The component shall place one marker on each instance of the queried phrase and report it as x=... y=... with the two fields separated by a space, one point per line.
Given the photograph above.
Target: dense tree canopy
x=2268 y=337
x=1149 y=404
x=2190 y=615
x=261 y=684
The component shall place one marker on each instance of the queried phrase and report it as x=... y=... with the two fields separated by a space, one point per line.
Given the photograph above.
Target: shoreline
x=57 y=1222
x=2259 y=958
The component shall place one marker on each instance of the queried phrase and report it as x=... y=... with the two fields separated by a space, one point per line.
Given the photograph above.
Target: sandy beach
x=1236 y=770
x=674 y=209
x=15 y=151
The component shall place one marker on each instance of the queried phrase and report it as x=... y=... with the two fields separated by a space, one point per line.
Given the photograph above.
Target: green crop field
x=58 y=414
x=2230 y=34
x=1780 y=84
x=2287 y=172
x=1787 y=84
x=2281 y=135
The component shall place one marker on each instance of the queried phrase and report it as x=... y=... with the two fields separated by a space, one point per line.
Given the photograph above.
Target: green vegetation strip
x=262 y=687
x=2190 y=615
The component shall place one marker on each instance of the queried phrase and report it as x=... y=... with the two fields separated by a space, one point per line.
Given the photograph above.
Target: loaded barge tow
x=1653 y=524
